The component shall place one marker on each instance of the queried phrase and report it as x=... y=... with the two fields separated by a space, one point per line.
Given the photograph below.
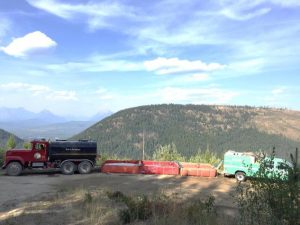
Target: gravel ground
x=34 y=185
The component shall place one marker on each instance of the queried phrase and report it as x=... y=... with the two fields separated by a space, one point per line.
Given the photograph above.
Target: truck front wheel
x=14 y=169
x=68 y=168
x=240 y=176
x=84 y=167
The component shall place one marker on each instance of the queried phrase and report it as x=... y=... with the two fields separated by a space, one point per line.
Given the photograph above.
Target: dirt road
x=15 y=190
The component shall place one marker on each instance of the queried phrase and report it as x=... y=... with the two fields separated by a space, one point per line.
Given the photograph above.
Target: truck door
x=39 y=152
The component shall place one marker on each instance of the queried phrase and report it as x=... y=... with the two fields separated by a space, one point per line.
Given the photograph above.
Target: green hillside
x=196 y=127
x=4 y=136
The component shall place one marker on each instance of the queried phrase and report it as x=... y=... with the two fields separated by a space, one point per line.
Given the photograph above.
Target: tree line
x=192 y=128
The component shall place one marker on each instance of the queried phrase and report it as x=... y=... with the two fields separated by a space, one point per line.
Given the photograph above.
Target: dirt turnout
x=17 y=191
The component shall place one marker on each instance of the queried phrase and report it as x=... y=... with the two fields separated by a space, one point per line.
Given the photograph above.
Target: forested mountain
x=4 y=136
x=196 y=127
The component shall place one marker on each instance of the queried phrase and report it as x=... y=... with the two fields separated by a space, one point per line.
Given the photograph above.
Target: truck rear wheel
x=85 y=167
x=14 y=169
x=68 y=168
x=240 y=176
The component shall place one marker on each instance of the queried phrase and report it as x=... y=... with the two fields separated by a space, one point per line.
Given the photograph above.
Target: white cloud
x=37 y=90
x=249 y=66
x=197 y=95
x=5 y=25
x=174 y=65
x=284 y=3
x=96 y=64
x=245 y=10
x=186 y=79
x=33 y=88
x=277 y=91
x=198 y=77
x=276 y=96
x=28 y=44
x=236 y=15
x=62 y=96
x=95 y=14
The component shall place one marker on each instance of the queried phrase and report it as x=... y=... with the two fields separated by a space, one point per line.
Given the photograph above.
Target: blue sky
x=81 y=57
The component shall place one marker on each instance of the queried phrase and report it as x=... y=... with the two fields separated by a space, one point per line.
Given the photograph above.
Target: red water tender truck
x=69 y=156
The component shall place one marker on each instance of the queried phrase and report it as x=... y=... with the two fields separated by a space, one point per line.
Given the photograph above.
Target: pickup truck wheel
x=14 y=169
x=85 y=167
x=240 y=176
x=68 y=168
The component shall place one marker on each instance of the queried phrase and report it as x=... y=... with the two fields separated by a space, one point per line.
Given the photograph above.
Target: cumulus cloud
x=28 y=44
x=40 y=90
x=174 y=65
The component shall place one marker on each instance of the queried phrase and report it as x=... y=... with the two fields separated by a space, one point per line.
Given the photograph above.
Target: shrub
x=168 y=153
x=165 y=210
x=2 y=153
x=205 y=157
x=269 y=199
x=106 y=156
x=137 y=207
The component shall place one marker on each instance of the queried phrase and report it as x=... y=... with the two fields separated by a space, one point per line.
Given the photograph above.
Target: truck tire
x=84 y=167
x=14 y=169
x=240 y=176
x=68 y=168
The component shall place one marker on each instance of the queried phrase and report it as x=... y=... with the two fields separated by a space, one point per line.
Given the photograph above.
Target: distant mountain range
x=27 y=124
x=196 y=127
x=8 y=115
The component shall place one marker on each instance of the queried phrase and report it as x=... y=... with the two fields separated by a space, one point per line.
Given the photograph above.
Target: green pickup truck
x=247 y=164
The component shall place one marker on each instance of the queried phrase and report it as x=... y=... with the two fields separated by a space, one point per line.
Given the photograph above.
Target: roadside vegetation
x=170 y=153
x=82 y=206
x=275 y=201
x=10 y=144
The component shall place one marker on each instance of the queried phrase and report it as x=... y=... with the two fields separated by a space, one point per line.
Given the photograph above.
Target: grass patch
x=84 y=206
x=166 y=210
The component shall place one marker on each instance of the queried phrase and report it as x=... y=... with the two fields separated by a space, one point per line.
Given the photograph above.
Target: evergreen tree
x=2 y=152
x=11 y=142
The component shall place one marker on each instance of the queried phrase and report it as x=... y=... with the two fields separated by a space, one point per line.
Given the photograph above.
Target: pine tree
x=11 y=142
